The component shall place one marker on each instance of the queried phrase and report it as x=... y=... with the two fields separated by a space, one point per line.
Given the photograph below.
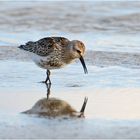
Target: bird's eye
x=79 y=51
x=81 y=44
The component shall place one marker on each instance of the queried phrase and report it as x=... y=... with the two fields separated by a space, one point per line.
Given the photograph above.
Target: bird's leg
x=48 y=81
x=48 y=90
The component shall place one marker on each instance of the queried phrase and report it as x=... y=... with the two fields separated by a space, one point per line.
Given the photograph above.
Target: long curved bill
x=83 y=107
x=83 y=64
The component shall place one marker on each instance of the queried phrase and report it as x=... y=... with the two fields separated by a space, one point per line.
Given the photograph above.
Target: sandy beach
x=113 y=103
x=110 y=31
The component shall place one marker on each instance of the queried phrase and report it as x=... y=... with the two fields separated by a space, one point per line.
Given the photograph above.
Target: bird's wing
x=46 y=45
x=61 y=41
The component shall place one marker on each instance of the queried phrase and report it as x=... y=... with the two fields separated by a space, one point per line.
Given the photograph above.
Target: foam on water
x=113 y=101
x=16 y=76
x=98 y=42
x=112 y=89
x=32 y=127
x=109 y=26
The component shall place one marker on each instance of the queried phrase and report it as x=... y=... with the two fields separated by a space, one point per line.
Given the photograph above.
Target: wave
x=97 y=58
x=84 y=17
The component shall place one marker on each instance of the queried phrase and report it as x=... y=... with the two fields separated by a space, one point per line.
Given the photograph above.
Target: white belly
x=48 y=62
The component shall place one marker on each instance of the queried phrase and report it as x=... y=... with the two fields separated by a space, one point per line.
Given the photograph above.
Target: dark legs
x=47 y=81
x=48 y=77
x=48 y=85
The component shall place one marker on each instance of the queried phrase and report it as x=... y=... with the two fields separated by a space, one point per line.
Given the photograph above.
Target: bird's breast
x=54 y=60
x=50 y=63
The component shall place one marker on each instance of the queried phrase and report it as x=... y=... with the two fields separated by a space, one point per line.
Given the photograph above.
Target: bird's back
x=45 y=46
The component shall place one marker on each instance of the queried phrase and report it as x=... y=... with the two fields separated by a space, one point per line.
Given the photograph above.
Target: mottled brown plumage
x=55 y=52
x=45 y=46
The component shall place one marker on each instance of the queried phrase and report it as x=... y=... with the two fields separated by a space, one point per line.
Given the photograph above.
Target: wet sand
x=110 y=113
x=112 y=109
x=110 y=31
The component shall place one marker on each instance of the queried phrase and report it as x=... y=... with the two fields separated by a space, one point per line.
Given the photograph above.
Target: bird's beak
x=83 y=64
x=83 y=107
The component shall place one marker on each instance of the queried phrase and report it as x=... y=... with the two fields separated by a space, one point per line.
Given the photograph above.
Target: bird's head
x=77 y=50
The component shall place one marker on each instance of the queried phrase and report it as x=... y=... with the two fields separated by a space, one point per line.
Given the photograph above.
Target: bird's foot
x=46 y=82
x=42 y=82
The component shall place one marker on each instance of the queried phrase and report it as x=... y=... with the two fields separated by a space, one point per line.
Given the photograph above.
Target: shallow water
x=16 y=76
x=113 y=101
x=110 y=31
x=32 y=127
x=109 y=26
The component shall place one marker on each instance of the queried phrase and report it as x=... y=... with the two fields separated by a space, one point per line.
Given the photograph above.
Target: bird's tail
x=21 y=46
x=27 y=46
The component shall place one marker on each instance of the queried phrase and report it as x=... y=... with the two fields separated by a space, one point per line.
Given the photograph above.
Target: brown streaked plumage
x=55 y=52
x=54 y=107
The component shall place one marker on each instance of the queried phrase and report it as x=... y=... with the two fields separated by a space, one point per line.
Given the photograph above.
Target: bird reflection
x=48 y=86
x=54 y=107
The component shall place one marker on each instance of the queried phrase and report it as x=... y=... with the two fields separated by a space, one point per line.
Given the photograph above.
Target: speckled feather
x=45 y=46
x=54 y=52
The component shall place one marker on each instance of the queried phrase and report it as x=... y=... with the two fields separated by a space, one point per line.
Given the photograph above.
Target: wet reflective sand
x=110 y=31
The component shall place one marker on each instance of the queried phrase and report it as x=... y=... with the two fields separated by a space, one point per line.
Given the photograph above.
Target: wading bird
x=54 y=52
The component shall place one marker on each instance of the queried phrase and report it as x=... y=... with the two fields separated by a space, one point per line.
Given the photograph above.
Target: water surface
x=110 y=31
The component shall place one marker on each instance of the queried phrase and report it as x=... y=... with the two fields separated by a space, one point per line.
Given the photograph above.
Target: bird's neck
x=68 y=57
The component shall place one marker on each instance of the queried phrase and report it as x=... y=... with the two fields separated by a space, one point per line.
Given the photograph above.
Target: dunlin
x=54 y=107
x=55 y=52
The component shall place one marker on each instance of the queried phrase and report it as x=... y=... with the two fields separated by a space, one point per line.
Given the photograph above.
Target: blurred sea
x=101 y=25
x=110 y=31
